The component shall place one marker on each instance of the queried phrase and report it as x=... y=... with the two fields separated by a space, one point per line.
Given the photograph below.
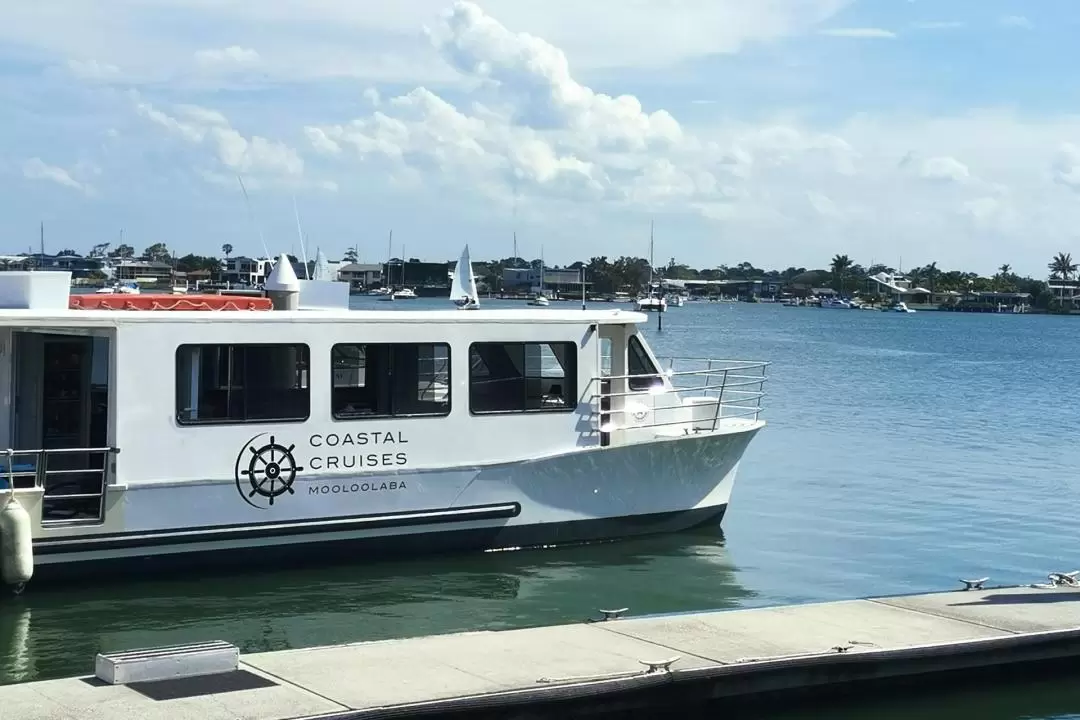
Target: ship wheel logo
x=270 y=472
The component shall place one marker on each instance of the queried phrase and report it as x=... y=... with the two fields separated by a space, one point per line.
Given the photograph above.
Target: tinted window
x=643 y=374
x=389 y=380
x=522 y=377
x=230 y=384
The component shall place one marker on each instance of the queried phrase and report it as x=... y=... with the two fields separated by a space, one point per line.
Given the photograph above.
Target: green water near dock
x=903 y=452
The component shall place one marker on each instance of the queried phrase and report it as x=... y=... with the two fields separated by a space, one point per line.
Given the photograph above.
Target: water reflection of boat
x=16 y=660
x=263 y=611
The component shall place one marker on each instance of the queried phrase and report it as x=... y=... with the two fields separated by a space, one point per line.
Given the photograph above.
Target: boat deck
x=564 y=669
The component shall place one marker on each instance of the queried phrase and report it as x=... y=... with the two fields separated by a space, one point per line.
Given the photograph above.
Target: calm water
x=903 y=451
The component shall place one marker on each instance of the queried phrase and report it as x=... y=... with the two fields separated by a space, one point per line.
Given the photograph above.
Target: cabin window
x=390 y=380
x=522 y=377
x=643 y=374
x=228 y=384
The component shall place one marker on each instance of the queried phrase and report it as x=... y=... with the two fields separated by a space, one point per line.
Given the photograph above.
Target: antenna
x=582 y=287
x=300 y=232
x=515 y=245
x=251 y=218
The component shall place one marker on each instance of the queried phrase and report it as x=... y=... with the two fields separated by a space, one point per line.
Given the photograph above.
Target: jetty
x=612 y=663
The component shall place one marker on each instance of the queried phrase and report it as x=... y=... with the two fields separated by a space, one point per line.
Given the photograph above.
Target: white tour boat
x=153 y=433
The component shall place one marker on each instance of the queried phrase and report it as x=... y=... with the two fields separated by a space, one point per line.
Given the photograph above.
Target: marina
x=609 y=665
x=338 y=381
x=819 y=515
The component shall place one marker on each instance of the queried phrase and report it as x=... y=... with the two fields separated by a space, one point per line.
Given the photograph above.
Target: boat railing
x=695 y=393
x=72 y=480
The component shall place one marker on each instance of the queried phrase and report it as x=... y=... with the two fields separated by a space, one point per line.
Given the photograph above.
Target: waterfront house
x=555 y=282
x=1067 y=293
x=144 y=272
x=426 y=279
x=242 y=270
x=898 y=288
x=361 y=275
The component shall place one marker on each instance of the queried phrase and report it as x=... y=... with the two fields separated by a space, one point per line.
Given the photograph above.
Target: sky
x=779 y=132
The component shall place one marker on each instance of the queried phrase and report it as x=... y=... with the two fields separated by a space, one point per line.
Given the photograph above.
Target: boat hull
x=593 y=494
x=362 y=549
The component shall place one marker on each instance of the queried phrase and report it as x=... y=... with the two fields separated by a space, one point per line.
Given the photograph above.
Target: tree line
x=629 y=274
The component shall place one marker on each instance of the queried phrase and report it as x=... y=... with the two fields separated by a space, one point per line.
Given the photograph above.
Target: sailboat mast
x=650 y=255
x=389 y=257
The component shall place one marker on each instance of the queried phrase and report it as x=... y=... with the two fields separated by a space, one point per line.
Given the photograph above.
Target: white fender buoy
x=16 y=544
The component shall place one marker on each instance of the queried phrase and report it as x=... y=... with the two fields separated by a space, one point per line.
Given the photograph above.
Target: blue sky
x=779 y=132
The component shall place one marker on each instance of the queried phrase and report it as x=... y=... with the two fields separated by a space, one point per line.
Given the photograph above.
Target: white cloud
x=859 y=32
x=92 y=69
x=947 y=169
x=1066 y=166
x=202 y=116
x=1015 y=21
x=256 y=155
x=37 y=169
x=322 y=142
x=304 y=39
x=232 y=55
x=524 y=127
x=530 y=132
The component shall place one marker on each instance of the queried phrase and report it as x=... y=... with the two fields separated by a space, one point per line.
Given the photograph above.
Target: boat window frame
x=303 y=366
x=570 y=380
x=336 y=417
x=641 y=381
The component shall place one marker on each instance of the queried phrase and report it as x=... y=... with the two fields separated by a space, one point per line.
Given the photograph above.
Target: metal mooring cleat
x=974 y=584
x=659 y=665
x=612 y=614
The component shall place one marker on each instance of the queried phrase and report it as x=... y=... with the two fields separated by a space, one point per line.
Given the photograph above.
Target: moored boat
x=148 y=436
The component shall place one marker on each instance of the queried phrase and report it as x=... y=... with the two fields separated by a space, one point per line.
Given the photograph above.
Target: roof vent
x=282 y=286
x=34 y=290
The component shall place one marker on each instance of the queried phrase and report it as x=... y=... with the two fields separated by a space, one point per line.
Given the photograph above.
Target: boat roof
x=112 y=318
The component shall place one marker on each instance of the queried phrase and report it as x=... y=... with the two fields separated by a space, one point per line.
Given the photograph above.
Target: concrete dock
x=615 y=665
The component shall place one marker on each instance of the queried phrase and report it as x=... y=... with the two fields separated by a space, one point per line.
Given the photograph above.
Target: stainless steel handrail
x=41 y=473
x=732 y=385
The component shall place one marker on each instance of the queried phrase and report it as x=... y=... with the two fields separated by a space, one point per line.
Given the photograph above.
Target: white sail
x=322 y=267
x=463 y=288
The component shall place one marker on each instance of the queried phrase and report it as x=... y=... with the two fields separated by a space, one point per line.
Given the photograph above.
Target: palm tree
x=226 y=250
x=1002 y=279
x=1062 y=268
x=841 y=264
x=931 y=272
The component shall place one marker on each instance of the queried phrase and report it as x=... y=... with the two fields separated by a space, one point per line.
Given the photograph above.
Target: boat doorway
x=60 y=422
x=612 y=364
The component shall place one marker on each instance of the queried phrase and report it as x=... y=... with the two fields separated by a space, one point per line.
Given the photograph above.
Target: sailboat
x=388 y=286
x=541 y=299
x=404 y=293
x=463 y=288
x=653 y=299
